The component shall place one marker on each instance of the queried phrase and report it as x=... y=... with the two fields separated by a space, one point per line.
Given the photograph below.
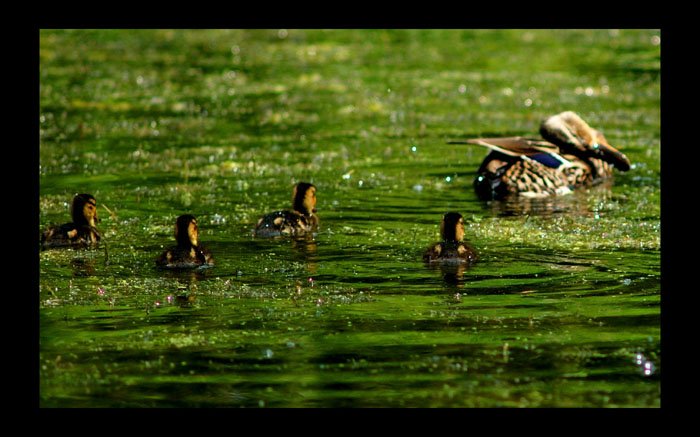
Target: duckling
x=188 y=253
x=81 y=231
x=451 y=248
x=300 y=220
x=573 y=155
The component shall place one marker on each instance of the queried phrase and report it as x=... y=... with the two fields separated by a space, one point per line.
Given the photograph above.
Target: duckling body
x=451 y=248
x=302 y=219
x=573 y=155
x=288 y=222
x=187 y=253
x=81 y=231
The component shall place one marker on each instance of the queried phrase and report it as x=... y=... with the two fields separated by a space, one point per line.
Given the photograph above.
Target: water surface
x=562 y=309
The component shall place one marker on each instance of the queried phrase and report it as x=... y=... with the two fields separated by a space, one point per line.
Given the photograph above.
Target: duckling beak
x=608 y=153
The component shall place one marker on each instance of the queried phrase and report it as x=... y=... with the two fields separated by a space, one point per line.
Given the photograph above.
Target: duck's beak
x=606 y=152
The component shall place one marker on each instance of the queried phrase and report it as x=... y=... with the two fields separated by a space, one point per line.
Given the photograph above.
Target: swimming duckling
x=188 y=253
x=81 y=231
x=573 y=155
x=451 y=248
x=299 y=220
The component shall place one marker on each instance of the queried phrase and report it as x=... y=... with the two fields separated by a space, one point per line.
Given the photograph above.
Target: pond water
x=561 y=310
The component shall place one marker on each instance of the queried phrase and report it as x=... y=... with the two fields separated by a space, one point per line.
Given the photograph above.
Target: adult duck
x=571 y=155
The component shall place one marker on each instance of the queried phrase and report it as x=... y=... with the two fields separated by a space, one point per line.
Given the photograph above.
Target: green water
x=221 y=124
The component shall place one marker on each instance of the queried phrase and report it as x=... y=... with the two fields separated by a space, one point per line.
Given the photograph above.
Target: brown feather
x=513 y=146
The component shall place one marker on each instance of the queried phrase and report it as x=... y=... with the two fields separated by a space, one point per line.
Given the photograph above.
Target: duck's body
x=81 y=231
x=187 y=253
x=573 y=155
x=451 y=248
x=302 y=219
x=455 y=251
x=288 y=222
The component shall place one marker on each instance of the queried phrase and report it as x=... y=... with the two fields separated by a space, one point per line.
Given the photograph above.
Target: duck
x=570 y=154
x=299 y=220
x=188 y=253
x=451 y=248
x=81 y=231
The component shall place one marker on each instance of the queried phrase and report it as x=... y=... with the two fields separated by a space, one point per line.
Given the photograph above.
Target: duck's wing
x=513 y=146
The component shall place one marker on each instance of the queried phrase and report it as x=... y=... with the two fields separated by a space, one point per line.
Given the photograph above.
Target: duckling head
x=84 y=210
x=304 y=198
x=186 y=231
x=452 y=227
x=573 y=135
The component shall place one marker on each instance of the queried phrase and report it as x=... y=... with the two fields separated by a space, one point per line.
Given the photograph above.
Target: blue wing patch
x=547 y=160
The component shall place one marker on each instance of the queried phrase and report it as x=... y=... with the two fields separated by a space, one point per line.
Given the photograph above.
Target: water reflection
x=305 y=249
x=83 y=267
x=574 y=204
x=452 y=272
x=188 y=276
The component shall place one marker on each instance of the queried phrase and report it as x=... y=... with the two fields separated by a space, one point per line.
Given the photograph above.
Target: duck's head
x=84 y=210
x=304 y=198
x=186 y=231
x=452 y=227
x=574 y=136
